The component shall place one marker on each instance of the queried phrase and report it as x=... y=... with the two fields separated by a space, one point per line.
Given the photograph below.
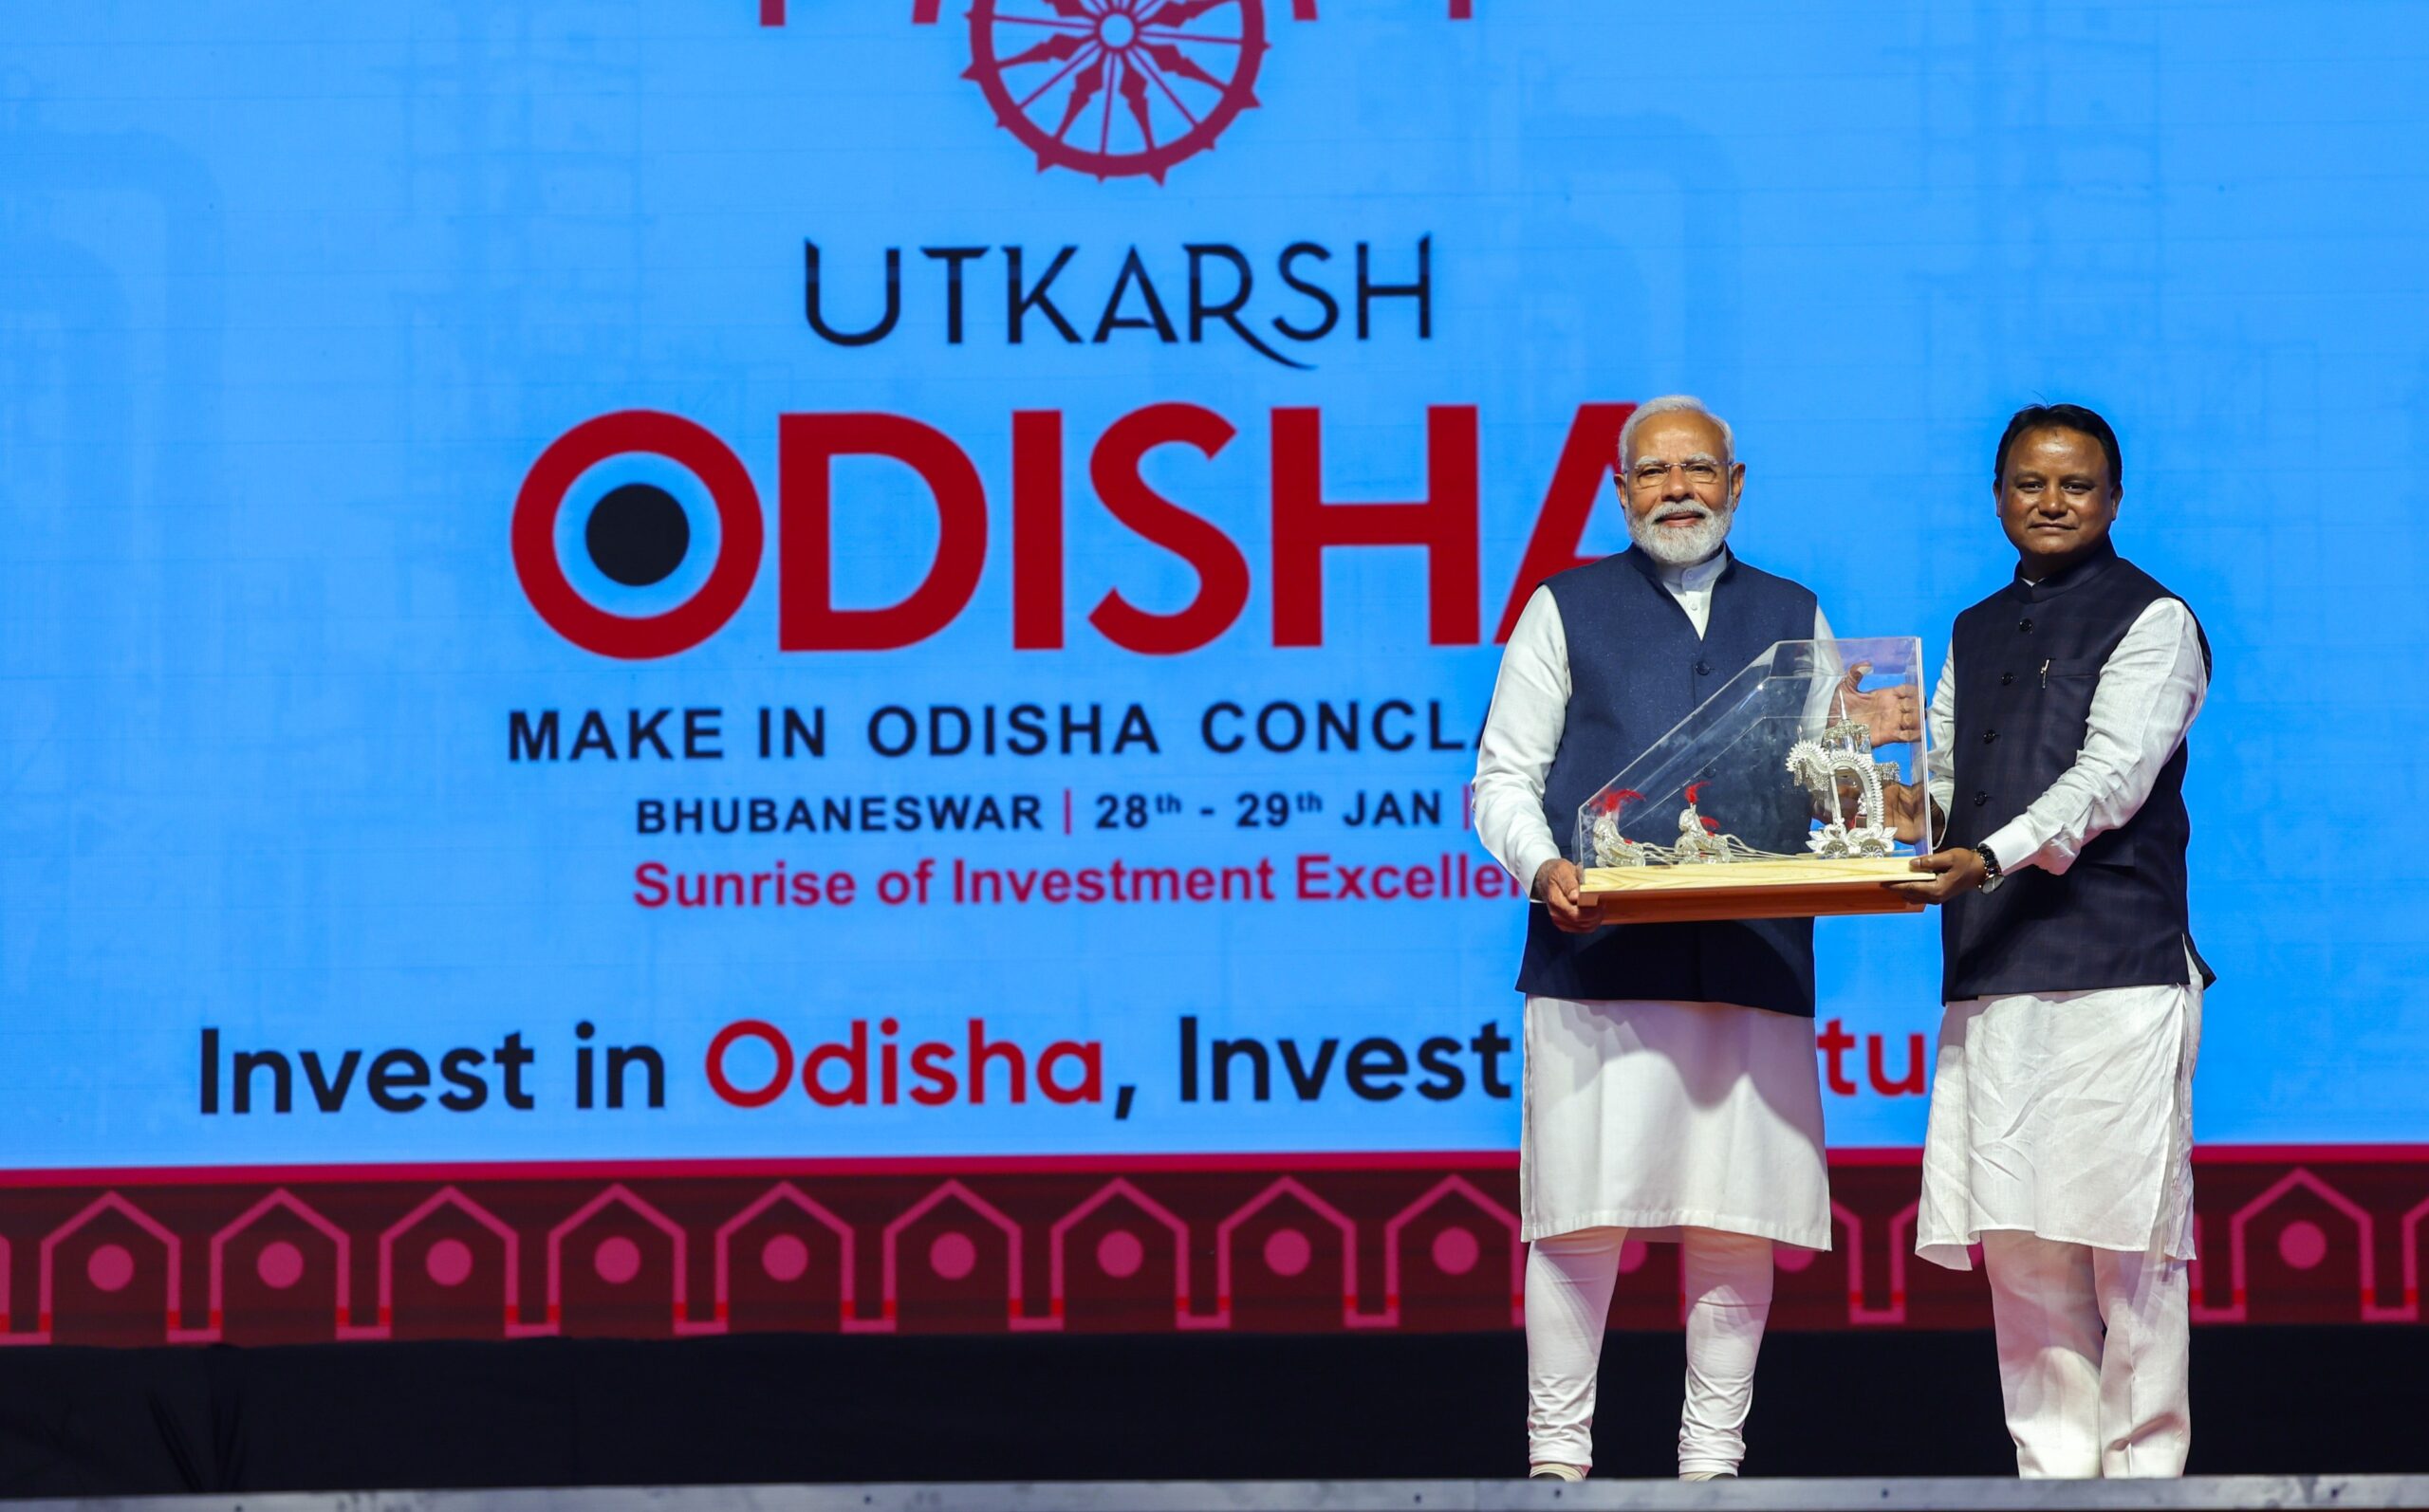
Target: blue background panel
x=293 y=298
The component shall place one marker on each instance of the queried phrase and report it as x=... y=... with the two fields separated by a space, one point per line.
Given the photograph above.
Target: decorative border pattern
x=1263 y=1243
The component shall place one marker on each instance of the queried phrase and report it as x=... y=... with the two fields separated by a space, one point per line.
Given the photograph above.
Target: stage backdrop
x=812 y=663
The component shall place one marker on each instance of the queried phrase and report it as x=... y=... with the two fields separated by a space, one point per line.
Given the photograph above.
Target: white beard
x=1674 y=547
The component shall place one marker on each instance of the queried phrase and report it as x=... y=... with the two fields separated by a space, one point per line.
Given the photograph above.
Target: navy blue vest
x=1636 y=669
x=2028 y=659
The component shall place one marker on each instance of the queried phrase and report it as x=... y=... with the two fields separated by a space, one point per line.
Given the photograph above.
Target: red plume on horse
x=1695 y=792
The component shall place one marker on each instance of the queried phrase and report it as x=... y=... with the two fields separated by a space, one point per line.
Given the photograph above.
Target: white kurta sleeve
x=1822 y=704
x=2150 y=689
x=1941 y=767
x=1521 y=735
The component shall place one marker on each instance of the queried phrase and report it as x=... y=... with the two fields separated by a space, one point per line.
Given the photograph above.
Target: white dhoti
x=2064 y=1115
x=1658 y=1116
x=2061 y=1139
x=1698 y=1122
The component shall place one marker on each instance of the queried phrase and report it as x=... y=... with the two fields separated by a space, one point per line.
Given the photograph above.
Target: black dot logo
x=637 y=534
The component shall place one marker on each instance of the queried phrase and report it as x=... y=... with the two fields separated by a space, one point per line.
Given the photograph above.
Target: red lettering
x=1590 y=455
x=1037 y=529
x=1091 y=1058
x=1444 y=524
x=939 y=1086
x=1068 y=1070
x=545 y=490
x=1222 y=572
x=807 y=448
x=754 y=1029
x=1305 y=525
x=855 y=1059
x=981 y=1051
x=1834 y=1043
x=1911 y=1084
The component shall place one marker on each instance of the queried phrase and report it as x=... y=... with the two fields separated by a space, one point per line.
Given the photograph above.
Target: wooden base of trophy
x=1751 y=889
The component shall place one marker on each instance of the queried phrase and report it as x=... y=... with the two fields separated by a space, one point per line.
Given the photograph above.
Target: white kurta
x=2069 y=1114
x=1649 y=1116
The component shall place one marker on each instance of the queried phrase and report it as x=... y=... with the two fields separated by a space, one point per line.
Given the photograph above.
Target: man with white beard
x=1670 y=1092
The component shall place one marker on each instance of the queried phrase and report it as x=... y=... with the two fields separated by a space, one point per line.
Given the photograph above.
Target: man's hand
x=1890 y=715
x=1954 y=871
x=1906 y=803
x=1557 y=887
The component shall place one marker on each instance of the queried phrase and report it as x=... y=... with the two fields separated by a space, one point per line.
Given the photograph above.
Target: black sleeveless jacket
x=1636 y=669
x=2027 y=659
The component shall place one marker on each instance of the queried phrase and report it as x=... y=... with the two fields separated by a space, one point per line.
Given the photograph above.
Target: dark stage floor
x=2192 y=1494
x=774 y=1410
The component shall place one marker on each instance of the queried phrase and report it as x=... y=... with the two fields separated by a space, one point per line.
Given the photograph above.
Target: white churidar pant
x=2092 y=1350
x=2061 y=1138
x=1569 y=1277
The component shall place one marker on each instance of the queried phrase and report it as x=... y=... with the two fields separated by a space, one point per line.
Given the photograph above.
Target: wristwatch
x=1991 y=875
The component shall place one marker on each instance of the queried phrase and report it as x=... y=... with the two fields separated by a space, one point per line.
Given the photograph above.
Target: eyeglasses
x=1701 y=471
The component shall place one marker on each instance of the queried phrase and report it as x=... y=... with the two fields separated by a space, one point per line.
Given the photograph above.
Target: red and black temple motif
x=1266 y=1243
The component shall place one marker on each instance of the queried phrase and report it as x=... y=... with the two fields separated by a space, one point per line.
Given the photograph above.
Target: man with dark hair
x=2062 y=1115
x=1670 y=1093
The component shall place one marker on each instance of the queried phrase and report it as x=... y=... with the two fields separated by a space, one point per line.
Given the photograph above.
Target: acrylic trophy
x=1795 y=790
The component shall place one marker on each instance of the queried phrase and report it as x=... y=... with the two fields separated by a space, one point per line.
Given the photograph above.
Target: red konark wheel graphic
x=1113 y=87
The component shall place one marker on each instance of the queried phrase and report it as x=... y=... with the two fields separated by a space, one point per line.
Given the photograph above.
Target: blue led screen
x=865 y=577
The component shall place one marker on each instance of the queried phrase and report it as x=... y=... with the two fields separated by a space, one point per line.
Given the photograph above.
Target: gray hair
x=1675 y=404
